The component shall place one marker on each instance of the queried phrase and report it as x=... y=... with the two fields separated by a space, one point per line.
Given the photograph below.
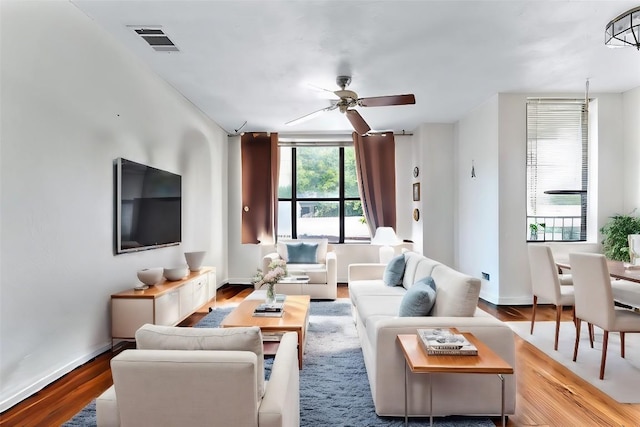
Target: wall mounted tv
x=148 y=207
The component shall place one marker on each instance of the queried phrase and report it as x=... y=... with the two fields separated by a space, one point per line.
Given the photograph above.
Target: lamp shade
x=385 y=236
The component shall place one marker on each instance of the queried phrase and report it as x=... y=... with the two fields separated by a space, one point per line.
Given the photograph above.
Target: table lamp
x=386 y=237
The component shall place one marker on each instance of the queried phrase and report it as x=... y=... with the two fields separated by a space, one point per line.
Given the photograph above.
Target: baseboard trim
x=32 y=389
x=522 y=300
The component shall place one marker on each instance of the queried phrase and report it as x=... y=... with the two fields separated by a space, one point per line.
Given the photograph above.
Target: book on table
x=268 y=313
x=441 y=341
x=272 y=336
x=269 y=310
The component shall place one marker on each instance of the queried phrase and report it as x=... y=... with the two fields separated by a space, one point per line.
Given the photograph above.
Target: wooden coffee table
x=417 y=360
x=295 y=318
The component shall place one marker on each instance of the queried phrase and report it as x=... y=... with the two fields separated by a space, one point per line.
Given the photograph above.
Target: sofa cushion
x=317 y=272
x=419 y=299
x=321 y=254
x=456 y=293
x=360 y=288
x=374 y=305
x=395 y=270
x=302 y=253
x=417 y=268
x=157 y=337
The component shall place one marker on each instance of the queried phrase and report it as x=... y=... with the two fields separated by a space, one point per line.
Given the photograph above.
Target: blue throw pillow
x=302 y=253
x=419 y=299
x=394 y=271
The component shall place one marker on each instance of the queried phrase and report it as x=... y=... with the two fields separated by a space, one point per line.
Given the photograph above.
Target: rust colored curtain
x=376 y=172
x=260 y=168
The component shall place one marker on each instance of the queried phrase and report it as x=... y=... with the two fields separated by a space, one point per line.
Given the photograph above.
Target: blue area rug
x=334 y=388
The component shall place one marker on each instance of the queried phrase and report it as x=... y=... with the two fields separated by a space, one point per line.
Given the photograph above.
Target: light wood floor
x=548 y=393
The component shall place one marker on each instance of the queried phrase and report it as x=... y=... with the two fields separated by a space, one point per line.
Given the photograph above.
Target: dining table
x=617 y=269
x=625 y=282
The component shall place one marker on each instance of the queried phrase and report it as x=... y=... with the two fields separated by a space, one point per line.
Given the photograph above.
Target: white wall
x=491 y=207
x=73 y=101
x=405 y=162
x=631 y=126
x=434 y=149
x=478 y=198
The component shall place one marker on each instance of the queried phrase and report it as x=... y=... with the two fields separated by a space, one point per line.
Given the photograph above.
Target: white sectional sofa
x=376 y=307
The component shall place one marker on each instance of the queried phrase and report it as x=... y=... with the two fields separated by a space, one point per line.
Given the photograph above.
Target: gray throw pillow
x=394 y=271
x=302 y=253
x=419 y=299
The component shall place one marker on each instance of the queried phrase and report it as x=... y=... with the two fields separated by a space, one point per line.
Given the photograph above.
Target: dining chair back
x=592 y=289
x=546 y=284
x=594 y=302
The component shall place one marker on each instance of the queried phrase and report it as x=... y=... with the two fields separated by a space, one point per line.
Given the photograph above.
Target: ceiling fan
x=349 y=99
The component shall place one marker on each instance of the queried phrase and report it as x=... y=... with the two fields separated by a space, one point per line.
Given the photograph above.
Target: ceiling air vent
x=157 y=39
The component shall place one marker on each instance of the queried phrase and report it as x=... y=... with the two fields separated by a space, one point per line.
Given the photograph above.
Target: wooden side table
x=418 y=362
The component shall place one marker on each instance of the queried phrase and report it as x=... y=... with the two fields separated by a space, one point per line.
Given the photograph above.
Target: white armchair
x=307 y=257
x=181 y=381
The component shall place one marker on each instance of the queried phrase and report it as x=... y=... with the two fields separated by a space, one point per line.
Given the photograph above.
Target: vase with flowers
x=277 y=270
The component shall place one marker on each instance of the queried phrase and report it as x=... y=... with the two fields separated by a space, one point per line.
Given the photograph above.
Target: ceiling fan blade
x=321 y=92
x=310 y=115
x=381 y=101
x=357 y=122
x=318 y=88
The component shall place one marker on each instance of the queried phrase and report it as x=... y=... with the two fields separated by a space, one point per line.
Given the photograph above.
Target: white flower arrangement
x=277 y=270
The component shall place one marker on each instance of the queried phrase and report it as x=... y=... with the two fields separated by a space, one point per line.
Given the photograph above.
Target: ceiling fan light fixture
x=624 y=30
x=349 y=99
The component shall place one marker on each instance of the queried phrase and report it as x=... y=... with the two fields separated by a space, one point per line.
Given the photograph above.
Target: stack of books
x=269 y=310
x=438 y=342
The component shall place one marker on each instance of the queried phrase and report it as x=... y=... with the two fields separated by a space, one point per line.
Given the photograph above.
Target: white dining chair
x=626 y=293
x=594 y=302
x=546 y=283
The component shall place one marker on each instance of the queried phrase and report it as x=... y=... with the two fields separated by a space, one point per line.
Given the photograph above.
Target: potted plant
x=616 y=244
x=534 y=228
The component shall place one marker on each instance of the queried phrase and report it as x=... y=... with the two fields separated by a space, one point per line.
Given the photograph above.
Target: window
x=318 y=194
x=557 y=171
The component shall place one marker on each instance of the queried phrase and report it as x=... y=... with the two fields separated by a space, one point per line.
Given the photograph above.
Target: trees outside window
x=318 y=194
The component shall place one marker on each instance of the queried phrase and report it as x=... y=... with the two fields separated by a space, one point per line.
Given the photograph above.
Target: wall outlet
x=485 y=276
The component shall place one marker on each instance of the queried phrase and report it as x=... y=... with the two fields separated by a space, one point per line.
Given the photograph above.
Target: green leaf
x=616 y=244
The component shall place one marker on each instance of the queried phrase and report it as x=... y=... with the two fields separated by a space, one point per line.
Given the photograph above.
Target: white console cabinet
x=167 y=303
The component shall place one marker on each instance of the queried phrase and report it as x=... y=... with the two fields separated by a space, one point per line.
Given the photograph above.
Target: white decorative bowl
x=176 y=273
x=150 y=276
x=194 y=259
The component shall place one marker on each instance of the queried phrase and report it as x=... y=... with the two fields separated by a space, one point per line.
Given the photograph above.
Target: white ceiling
x=254 y=61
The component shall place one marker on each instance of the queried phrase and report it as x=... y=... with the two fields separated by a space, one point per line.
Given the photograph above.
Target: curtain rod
x=320 y=137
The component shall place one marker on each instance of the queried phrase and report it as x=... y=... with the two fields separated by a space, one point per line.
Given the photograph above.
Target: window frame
x=582 y=192
x=341 y=199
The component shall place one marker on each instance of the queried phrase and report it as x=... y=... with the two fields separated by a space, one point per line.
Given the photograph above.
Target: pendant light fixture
x=624 y=30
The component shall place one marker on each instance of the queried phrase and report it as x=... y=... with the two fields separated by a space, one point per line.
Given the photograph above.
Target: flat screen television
x=148 y=207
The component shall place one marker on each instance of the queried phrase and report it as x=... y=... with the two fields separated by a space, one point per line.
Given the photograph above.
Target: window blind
x=557 y=167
